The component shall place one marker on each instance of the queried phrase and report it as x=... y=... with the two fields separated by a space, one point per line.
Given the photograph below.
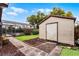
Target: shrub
x=77 y=35
x=77 y=32
x=35 y=31
x=27 y=31
x=19 y=30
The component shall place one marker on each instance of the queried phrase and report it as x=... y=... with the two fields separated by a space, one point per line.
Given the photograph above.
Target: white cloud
x=12 y=13
x=41 y=10
x=33 y=11
x=48 y=10
x=15 y=11
x=44 y=10
x=18 y=10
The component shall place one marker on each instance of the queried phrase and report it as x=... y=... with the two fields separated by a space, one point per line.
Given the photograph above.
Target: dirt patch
x=35 y=42
x=10 y=50
x=42 y=44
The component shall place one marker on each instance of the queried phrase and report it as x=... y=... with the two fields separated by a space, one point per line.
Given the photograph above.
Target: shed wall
x=65 y=29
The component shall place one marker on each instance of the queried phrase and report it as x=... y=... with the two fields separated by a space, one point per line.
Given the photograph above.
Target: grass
x=26 y=37
x=65 y=51
x=70 y=52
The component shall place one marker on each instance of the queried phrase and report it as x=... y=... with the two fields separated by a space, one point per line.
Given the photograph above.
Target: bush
x=35 y=31
x=76 y=32
x=19 y=30
x=27 y=31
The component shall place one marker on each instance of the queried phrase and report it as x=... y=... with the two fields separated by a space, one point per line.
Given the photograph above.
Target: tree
x=69 y=14
x=34 y=20
x=61 y=12
x=40 y=17
x=57 y=11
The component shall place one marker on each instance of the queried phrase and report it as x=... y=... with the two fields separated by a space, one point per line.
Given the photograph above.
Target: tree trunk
x=37 y=26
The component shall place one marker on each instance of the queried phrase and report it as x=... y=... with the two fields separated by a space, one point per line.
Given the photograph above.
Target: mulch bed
x=39 y=43
x=35 y=42
x=10 y=50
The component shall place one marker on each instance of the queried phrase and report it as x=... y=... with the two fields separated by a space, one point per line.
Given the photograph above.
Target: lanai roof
x=13 y=22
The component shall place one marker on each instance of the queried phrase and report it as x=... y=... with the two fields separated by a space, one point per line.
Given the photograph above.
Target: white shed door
x=52 y=32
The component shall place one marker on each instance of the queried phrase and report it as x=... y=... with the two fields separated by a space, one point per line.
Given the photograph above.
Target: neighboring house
x=15 y=24
x=12 y=27
x=57 y=28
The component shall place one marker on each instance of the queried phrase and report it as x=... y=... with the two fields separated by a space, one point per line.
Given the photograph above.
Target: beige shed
x=57 y=28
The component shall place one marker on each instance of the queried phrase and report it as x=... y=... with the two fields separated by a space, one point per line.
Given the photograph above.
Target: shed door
x=52 y=32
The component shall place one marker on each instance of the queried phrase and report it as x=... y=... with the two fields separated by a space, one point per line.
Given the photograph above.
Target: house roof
x=13 y=22
x=72 y=18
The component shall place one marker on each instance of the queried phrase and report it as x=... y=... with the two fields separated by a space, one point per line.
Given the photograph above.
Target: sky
x=20 y=11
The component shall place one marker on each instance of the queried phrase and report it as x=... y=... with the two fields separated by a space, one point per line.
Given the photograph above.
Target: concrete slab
x=26 y=49
x=47 y=47
x=44 y=49
x=56 y=51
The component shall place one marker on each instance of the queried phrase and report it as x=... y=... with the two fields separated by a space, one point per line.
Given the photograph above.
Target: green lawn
x=70 y=52
x=65 y=51
x=26 y=37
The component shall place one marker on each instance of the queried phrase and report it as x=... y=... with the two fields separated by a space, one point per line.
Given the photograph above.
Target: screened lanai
x=12 y=27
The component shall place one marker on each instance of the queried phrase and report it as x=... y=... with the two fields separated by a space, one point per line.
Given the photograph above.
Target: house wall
x=65 y=29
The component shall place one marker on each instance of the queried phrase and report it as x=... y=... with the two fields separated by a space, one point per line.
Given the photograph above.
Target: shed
x=57 y=28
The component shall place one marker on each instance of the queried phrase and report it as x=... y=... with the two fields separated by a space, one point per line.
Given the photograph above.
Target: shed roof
x=72 y=18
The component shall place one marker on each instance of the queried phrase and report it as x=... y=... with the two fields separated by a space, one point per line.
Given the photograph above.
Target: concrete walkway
x=28 y=50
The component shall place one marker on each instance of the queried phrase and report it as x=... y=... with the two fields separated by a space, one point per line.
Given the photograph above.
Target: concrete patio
x=28 y=50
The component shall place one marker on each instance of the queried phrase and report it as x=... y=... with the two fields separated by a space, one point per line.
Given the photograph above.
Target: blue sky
x=20 y=11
